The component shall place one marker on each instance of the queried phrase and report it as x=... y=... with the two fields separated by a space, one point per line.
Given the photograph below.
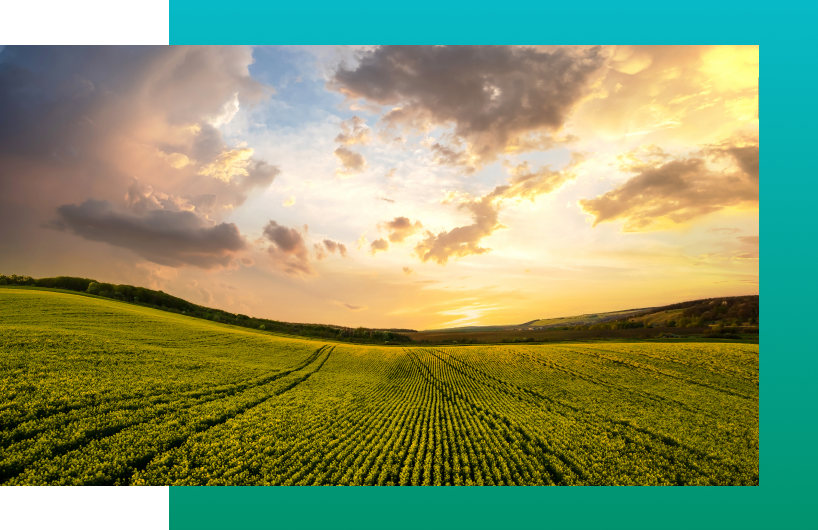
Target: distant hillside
x=727 y=311
x=547 y=323
x=588 y=319
x=724 y=311
x=161 y=300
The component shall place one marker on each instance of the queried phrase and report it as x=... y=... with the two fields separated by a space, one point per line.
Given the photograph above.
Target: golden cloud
x=229 y=164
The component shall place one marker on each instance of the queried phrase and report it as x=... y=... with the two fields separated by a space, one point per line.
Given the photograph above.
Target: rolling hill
x=100 y=392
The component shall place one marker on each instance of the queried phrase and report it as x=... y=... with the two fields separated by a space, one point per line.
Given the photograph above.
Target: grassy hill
x=166 y=302
x=97 y=391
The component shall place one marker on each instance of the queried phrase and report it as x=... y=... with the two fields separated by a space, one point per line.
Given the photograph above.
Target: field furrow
x=96 y=392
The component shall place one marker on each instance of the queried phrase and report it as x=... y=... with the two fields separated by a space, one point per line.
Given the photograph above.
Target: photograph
x=380 y=265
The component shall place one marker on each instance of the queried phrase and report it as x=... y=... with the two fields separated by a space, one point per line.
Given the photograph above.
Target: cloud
x=667 y=189
x=496 y=98
x=362 y=241
x=320 y=253
x=289 y=202
x=743 y=151
x=175 y=160
x=332 y=246
x=386 y=200
x=351 y=161
x=260 y=174
x=747 y=255
x=527 y=184
x=378 y=244
x=400 y=228
x=407 y=271
x=465 y=240
x=166 y=237
x=749 y=240
x=450 y=196
x=351 y=307
x=391 y=173
x=725 y=230
x=207 y=296
x=226 y=114
x=673 y=92
x=139 y=198
x=447 y=156
x=353 y=131
x=229 y=164
x=288 y=250
x=82 y=122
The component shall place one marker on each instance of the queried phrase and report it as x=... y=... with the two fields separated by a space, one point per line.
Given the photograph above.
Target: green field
x=95 y=391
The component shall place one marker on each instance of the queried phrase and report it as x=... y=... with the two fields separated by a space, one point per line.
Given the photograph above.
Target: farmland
x=97 y=391
x=487 y=337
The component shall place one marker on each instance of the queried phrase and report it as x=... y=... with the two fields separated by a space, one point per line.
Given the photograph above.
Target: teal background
x=787 y=495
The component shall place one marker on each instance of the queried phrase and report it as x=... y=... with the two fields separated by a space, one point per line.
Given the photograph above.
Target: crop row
x=436 y=419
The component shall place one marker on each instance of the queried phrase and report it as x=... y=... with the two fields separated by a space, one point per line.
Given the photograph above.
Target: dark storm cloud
x=288 y=250
x=498 y=98
x=171 y=238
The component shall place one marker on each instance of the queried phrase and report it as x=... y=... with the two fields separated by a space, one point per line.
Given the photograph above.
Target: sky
x=386 y=186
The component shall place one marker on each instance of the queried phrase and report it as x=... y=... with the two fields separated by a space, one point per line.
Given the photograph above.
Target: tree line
x=165 y=302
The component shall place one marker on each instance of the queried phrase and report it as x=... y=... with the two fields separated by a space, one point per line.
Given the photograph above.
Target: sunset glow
x=413 y=187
